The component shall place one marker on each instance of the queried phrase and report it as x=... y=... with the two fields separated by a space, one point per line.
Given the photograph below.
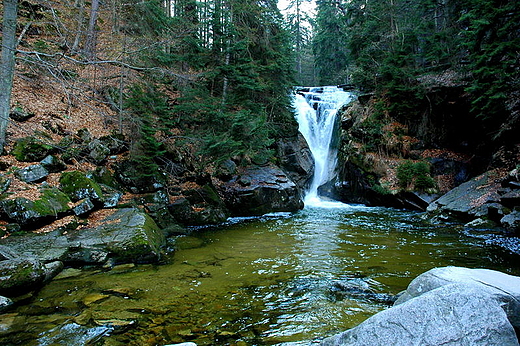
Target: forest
x=220 y=72
x=154 y=173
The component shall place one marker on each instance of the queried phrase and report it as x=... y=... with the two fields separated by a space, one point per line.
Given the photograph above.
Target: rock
x=5 y=303
x=296 y=159
x=5 y=183
x=21 y=275
x=78 y=186
x=470 y=199
x=20 y=115
x=30 y=149
x=51 y=204
x=32 y=173
x=73 y=334
x=84 y=206
x=129 y=173
x=111 y=196
x=226 y=170
x=115 y=143
x=127 y=235
x=53 y=164
x=183 y=344
x=269 y=190
x=200 y=214
x=511 y=221
x=445 y=306
x=510 y=198
x=97 y=151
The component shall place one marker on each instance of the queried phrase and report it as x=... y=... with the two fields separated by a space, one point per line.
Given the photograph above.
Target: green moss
x=52 y=202
x=78 y=186
x=29 y=149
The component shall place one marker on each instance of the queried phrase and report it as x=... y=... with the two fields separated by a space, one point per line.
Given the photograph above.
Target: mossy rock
x=30 y=149
x=128 y=235
x=52 y=203
x=78 y=186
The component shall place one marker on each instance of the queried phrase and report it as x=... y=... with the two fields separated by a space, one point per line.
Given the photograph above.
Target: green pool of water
x=284 y=280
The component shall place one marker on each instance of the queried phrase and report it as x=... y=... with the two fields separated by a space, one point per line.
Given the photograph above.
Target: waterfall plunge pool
x=274 y=280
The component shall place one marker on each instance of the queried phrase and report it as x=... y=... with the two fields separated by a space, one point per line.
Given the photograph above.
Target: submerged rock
x=261 y=190
x=445 y=306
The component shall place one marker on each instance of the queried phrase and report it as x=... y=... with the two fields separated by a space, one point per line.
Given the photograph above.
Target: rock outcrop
x=493 y=196
x=445 y=306
x=259 y=190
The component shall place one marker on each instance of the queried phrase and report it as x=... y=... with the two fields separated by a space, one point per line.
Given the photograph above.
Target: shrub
x=415 y=176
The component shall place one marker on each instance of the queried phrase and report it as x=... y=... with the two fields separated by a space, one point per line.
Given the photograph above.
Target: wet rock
x=51 y=204
x=470 y=199
x=5 y=303
x=73 y=334
x=512 y=222
x=53 y=164
x=78 y=186
x=30 y=149
x=445 y=306
x=22 y=274
x=32 y=173
x=296 y=159
x=269 y=190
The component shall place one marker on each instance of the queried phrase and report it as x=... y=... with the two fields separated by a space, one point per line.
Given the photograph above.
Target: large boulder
x=469 y=199
x=260 y=190
x=296 y=160
x=445 y=306
x=126 y=235
x=19 y=275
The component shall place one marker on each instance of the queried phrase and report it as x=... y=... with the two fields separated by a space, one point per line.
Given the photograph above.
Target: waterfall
x=316 y=110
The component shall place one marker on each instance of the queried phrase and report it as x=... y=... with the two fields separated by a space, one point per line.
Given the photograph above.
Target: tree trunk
x=90 y=43
x=7 y=68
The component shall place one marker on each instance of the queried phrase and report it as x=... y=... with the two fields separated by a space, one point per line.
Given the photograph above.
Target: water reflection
x=276 y=280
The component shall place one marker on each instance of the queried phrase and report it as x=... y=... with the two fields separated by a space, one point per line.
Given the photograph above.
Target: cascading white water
x=316 y=110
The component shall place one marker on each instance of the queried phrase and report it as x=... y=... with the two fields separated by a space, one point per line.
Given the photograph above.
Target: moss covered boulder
x=127 y=235
x=20 y=275
x=30 y=149
x=51 y=204
x=78 y=186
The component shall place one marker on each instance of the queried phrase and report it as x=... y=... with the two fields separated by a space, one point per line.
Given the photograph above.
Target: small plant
x=415 y=176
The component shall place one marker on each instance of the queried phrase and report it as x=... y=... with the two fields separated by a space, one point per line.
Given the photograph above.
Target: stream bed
x=275 y=280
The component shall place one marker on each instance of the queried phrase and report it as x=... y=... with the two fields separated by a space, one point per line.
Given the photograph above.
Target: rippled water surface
x=280 y=280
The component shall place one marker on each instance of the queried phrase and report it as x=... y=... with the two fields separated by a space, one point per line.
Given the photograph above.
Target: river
x=274 y=280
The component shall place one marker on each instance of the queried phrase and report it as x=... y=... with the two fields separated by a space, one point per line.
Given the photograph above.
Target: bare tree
x=90 y=42
x=9 y=41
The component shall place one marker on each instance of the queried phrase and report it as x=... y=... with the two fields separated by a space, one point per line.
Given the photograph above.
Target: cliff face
x=409 y=161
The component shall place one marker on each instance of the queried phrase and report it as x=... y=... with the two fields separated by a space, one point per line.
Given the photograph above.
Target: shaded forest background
x=214 y=77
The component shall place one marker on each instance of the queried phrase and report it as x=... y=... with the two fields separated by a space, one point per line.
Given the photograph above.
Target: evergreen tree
x=329 y=42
